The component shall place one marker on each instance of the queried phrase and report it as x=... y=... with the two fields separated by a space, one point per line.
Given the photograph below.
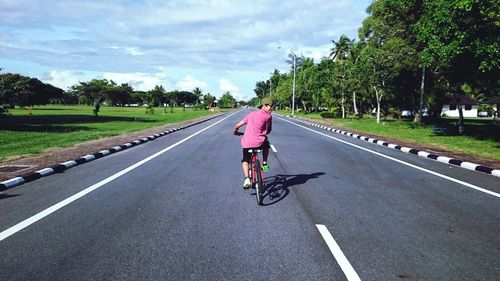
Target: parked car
x=406 y=113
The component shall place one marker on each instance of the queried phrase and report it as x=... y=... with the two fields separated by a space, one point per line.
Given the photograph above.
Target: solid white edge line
x=484 y=190
x=344 y=264
x=29 y=221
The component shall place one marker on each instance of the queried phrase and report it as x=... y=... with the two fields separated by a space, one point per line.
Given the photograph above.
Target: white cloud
x=134 y=51
x=189 y=83
x=65 y=79
x=226 y=85
x=139 y=81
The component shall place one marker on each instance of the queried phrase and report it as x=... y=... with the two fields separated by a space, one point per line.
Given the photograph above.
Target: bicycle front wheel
x=259 y=184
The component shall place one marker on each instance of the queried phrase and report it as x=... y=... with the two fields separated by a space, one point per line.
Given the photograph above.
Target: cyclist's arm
x=237 y=126
x=269 y=126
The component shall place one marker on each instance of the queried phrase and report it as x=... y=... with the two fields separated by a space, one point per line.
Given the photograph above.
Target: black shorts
x=247 y=155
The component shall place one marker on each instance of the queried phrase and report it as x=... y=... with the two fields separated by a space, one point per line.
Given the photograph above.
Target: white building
x=469 y=106
x=451 y=110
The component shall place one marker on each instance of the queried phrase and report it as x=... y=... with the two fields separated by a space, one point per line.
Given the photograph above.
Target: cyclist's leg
x=265 y=154
x=265 y=150
x=245 y=162
x=245 y=166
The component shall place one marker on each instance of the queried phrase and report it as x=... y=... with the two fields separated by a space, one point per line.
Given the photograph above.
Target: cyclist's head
x=268 y=102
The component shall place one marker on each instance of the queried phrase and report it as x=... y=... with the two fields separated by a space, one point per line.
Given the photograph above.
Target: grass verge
x=63 y=126
x=481 y=139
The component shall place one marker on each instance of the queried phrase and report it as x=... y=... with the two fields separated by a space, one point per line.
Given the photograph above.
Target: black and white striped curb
x=59 y=168
x=425 y=154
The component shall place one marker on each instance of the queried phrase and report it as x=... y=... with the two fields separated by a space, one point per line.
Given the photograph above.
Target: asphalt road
x=336 y=208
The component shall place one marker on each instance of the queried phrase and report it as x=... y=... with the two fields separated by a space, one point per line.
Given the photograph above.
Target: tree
x=341 y=48
x=339 y=53
x=7 y=88
x=227 y=100
x=462 y=33
x=119 y=94
x=186 y=98
x=274 y=81
x=21 y=90
x=157 y=96
x=376 y=73
x=353 y=73
x=209 y=100
x=306 y=85
x=325 y=82
x=255 y=101
x=390 y=49
x=94 y=91
x=260 y=88
x=198 y=93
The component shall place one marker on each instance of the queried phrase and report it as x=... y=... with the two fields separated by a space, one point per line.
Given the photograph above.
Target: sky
x=215 y=45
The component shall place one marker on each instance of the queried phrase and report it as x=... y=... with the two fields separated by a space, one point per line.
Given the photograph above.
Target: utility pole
x=293 y=88
x=270 y=88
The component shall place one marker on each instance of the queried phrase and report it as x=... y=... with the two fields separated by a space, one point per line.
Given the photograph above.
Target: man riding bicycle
x=258 y=126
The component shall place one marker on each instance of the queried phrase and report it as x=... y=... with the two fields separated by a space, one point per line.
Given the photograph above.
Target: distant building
x=469 y=106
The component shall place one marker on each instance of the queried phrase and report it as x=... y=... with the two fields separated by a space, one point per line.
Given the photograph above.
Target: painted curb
x=424 y=154
x=61 y=167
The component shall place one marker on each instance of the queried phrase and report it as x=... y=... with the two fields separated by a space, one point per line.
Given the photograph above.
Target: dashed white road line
x=344 y=264
x=274 y=148
x=475 y=187
x=31 y=220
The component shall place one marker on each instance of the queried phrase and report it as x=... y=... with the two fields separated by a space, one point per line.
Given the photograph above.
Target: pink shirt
x=257 y=125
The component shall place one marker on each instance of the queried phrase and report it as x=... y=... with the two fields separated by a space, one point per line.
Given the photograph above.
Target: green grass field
x=63 y=126
x=482 y=138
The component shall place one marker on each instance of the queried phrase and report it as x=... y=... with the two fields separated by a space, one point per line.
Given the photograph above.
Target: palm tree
x=197 y=93
x=353 y=73
x=341 y=48
x=339 y=52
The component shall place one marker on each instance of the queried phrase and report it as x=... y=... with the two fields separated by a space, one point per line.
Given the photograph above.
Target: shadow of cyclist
x=5 y=196
x=276 y=187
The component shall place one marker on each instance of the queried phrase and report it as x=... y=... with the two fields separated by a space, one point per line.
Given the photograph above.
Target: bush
x=394 y=112
x=486 y=108
x=4 y=110
x=325 y=114
x=150 y=109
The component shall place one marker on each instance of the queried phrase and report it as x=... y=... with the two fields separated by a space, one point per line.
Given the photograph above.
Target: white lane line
x=29 y=221
x=273 y=148
x=475 y=187
x=344 y=264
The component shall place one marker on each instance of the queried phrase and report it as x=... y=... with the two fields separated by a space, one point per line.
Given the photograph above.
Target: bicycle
x=256 y=175
x=255 y=172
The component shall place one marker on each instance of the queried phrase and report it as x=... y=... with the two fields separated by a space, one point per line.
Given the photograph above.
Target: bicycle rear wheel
x=259 y=184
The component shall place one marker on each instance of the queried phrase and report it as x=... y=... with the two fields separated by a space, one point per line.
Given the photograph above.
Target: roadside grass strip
x=424 y=154
x=59 y=168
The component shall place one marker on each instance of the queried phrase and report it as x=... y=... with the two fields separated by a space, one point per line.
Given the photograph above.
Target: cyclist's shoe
x=247 y=183
x=265 y=167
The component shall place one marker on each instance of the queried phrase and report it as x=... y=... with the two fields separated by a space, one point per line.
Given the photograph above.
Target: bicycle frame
x=257 y=175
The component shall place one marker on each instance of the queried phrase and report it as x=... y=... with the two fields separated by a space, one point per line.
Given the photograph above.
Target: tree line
x=410 y=55
x=23 y=91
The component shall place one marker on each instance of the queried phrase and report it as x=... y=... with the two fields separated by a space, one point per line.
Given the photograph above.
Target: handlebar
x=238 y=133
